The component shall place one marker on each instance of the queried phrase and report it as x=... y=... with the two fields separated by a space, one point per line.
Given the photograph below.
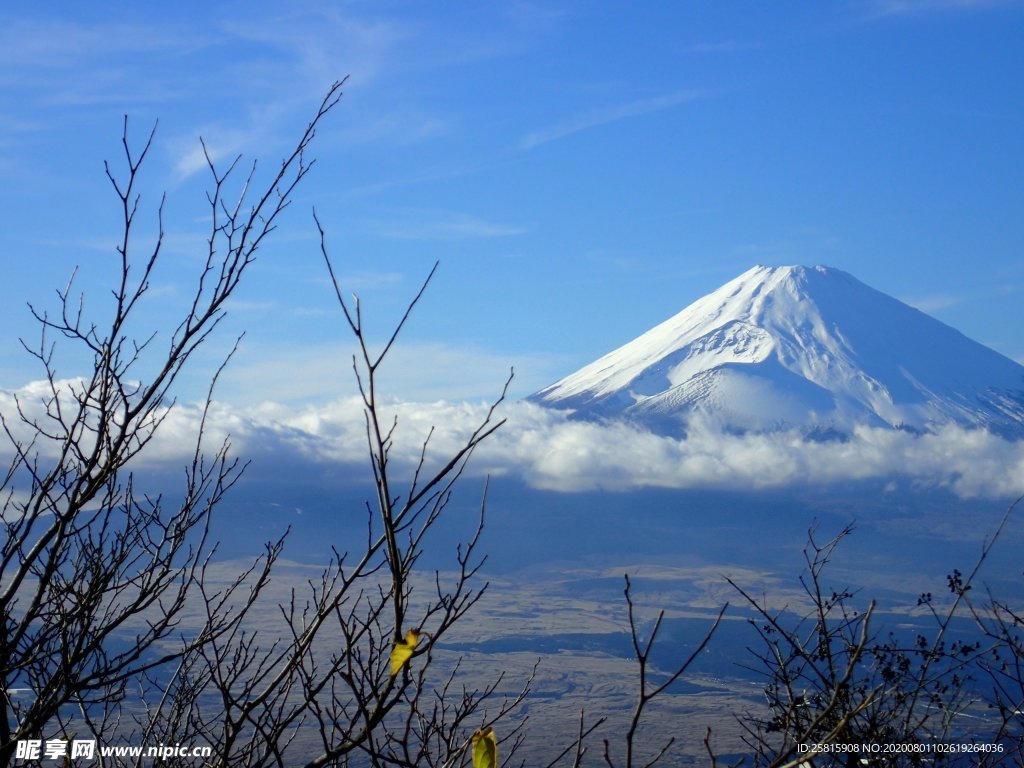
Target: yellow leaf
x=402 y=651
x=485 y=748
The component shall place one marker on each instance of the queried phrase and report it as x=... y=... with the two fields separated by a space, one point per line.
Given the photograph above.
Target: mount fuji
x=808 y=348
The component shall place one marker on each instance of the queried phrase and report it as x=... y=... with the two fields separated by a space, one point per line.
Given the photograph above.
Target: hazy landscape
x=556 y=558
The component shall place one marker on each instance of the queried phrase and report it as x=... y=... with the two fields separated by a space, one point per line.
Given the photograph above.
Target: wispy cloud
x=264 y=125
x=398 y=127
x=441 y=225
x=607 y=115
x=316 y=46
x=367 y=280
x=882 y=8
x=299 y=53
x=324 y=41
x=417 y=372
x=54 y=43
x=59 y=62
x=935 y=302
x=367 y=190
x=222 y=146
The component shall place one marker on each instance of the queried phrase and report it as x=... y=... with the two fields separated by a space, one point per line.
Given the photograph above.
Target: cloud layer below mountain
x=548 y=450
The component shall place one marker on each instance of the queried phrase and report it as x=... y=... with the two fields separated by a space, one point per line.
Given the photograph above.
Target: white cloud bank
x=549 y=450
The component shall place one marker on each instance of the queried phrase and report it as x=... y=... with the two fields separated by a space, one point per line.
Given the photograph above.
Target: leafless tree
x=812 y=686
x=102 y=581
x=1001 y=668
x=648 y=690
x=95 y=573
x=331 y=690
x=835 y=684
x=1003 y=624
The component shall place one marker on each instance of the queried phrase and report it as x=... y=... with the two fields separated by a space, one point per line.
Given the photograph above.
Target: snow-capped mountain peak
x=808 y=347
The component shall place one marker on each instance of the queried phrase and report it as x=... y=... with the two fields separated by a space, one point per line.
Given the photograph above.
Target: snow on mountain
x=806 y=347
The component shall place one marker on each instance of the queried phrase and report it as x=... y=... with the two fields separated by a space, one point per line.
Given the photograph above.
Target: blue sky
x=581 y=170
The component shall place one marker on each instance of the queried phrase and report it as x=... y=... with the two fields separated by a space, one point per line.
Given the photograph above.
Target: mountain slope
x=799 y=347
